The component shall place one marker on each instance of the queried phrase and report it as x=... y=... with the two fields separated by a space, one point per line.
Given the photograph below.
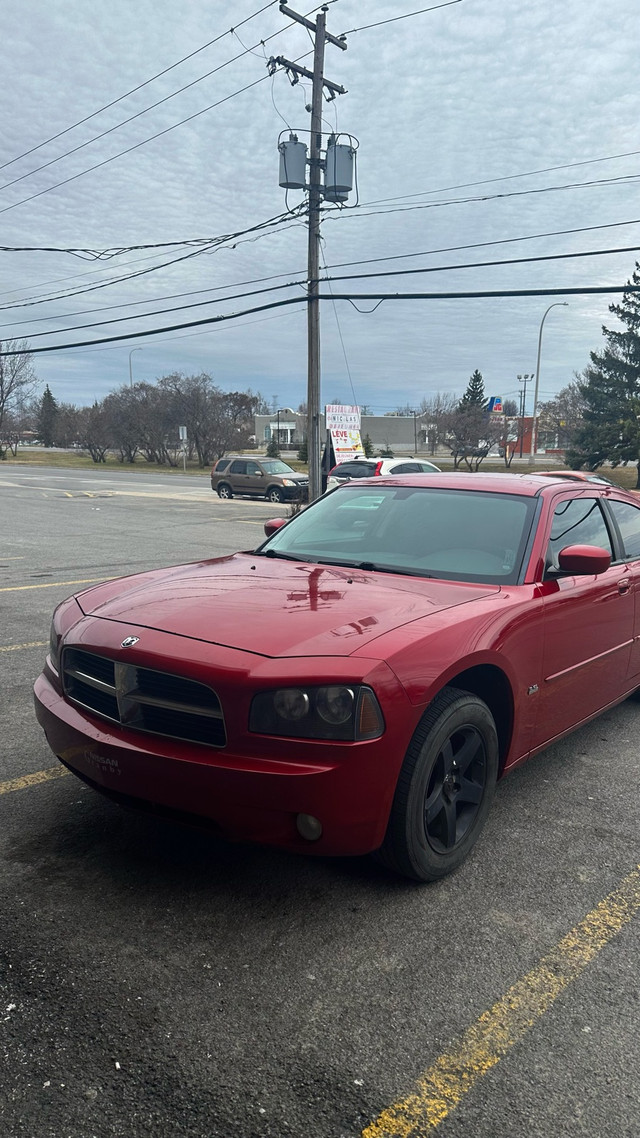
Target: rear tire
x=444 y=790
x=224 y=490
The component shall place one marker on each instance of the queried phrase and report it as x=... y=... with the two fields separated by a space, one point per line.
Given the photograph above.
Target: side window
x=253 y=468
x=578 y=521
x=238 y=467
x=406 y=468
x=628 y=519
x=222 y=464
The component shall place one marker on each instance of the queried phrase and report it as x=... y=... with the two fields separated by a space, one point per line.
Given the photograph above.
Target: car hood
x=275 y=608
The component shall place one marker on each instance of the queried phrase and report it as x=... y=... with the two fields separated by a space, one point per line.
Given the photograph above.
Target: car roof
x=527 y=485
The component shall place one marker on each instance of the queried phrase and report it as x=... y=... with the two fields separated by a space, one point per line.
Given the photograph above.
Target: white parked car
x=362 y=467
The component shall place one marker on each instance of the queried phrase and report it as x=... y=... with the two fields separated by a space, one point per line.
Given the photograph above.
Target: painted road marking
x=488 y=1040
x=53 y=584
x=32 y=779
x=31 y=644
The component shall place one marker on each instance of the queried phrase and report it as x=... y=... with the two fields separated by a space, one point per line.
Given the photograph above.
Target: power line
x=357 y=211
x=139 y=114
x=327 y=280
x=115 y=251
x=504 y=178
x=133 y=90
x=159 y=134
x=296 y=272
x=215 y=243
x=351 y=298
x=406 y=16
x=136 y=146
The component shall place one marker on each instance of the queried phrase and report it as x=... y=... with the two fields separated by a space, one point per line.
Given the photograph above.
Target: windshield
x=461 y=535
x=276 y=466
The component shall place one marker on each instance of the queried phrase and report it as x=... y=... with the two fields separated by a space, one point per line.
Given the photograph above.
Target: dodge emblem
x=129 y=641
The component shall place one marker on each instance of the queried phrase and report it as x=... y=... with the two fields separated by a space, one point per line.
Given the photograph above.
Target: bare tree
x=94 y=431
x=560 y=419
x=436 y=411
x=18 y=381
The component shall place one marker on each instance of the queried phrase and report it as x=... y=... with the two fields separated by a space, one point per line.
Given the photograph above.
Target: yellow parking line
x=31 y=644
x=488 y=1040
x=53 y=584
x=32 y=779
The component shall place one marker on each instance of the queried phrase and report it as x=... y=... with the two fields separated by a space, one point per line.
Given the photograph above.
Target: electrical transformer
x=293 y=164
x=338 y=178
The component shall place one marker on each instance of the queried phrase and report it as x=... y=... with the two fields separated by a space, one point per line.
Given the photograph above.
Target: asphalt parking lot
x=156 y=981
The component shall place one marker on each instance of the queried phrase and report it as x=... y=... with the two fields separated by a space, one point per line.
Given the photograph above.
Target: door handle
x=624 y=586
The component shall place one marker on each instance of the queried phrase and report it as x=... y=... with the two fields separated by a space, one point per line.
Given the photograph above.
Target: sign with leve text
x=343 y=424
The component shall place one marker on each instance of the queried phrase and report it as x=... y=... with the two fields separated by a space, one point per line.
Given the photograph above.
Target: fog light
x=309 y=827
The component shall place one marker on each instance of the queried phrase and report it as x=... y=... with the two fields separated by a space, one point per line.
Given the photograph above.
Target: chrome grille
x=141 y=698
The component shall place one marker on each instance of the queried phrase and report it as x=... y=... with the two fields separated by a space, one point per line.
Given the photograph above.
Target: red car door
x=626 y=517
x=588 y=623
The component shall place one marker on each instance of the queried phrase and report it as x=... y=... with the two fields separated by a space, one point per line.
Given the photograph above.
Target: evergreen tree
x=367 y=445
x=273 y=448
x=474 y=396
x=611 y=391
x=47 y=415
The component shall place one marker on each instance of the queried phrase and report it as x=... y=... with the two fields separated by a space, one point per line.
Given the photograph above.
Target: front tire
x=224 y=490
x=444 y=790
x=274 y=494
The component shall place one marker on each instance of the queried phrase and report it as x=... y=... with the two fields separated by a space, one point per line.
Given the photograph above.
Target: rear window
x=354 y=470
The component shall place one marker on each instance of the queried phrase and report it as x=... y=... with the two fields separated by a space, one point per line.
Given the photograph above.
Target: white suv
x=371 y=467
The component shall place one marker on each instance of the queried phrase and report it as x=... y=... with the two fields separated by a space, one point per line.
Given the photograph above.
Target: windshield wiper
x=282 y=556
x=373 y=567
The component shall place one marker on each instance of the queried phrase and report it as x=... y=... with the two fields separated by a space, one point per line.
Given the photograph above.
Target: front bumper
x=254 y=795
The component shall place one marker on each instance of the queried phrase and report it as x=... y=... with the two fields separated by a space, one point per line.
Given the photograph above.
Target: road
x=156 y=981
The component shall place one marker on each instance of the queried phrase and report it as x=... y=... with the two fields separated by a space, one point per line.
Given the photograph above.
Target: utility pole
x=321 y=36
x=313 y=266
x=524 y=379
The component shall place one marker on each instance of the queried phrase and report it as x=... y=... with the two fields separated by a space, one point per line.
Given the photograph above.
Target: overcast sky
x=479 y=91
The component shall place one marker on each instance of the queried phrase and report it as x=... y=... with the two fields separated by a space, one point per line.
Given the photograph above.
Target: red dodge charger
x=359 y=681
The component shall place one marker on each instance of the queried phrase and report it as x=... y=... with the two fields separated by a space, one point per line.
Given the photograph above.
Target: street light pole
x=130 y=371
x=534 y=433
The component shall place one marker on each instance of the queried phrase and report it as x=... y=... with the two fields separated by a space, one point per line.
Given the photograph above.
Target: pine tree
x=47 y=416
x=474 y=396
x=611 y=390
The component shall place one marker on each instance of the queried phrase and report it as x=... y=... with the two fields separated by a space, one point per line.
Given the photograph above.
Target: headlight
x=288 y=482
x=337 y=711
x=54 y=645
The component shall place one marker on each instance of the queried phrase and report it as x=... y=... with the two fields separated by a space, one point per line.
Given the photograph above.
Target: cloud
x=475 y=91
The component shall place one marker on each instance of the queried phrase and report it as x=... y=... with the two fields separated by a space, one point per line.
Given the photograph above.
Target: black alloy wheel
x=444 y=789
x=456 y=788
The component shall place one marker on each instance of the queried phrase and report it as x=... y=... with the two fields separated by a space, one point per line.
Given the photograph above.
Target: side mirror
x=274 y=525
x=583 y=560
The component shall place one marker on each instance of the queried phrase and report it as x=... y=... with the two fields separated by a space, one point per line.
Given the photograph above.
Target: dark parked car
x=360 y=680
x=268 y=478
